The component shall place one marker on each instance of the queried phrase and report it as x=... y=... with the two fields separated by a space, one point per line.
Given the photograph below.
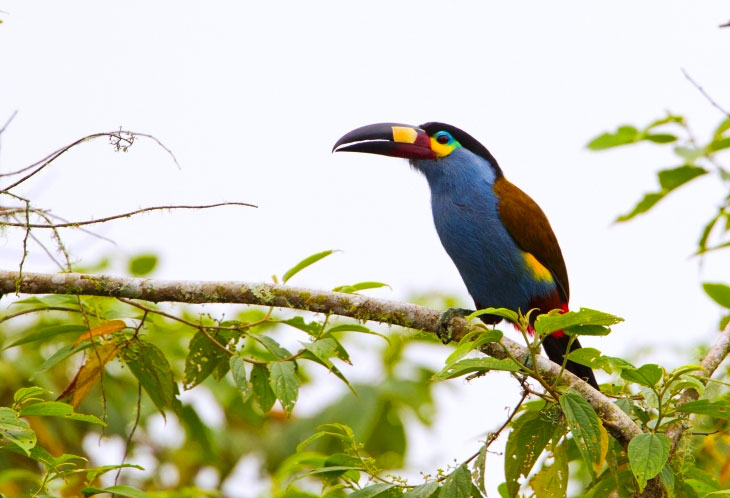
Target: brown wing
x=531 y=231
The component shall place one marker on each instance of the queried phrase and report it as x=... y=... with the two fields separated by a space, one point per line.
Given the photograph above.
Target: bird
x=499 y=239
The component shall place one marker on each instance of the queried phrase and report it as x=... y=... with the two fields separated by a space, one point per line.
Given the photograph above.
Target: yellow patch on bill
x=404 y=134
x=538 y=271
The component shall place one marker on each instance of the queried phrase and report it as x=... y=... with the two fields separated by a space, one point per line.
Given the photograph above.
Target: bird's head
x=429 y=147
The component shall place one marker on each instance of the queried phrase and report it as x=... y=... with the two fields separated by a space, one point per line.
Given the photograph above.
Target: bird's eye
x=443 y=138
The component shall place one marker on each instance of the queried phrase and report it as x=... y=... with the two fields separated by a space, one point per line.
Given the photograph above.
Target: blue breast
x=465 y=214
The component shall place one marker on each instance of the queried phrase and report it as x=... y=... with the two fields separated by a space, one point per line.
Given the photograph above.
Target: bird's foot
x=443 y=326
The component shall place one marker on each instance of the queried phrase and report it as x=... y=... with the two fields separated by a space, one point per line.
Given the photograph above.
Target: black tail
x=555 y=348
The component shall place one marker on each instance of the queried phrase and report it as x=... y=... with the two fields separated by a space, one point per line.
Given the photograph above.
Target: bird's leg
x=444 y=331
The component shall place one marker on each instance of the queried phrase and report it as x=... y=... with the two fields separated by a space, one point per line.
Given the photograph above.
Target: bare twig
x=118 y=216
x=272 y=295
x=705 y=94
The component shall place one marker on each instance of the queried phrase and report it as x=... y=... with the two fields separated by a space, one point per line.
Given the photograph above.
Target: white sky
x=251 y=96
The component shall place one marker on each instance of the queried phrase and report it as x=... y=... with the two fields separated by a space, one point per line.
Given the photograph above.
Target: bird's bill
x=388 y=139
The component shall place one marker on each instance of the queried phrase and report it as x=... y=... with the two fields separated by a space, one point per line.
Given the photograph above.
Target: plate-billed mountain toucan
x=498 y=237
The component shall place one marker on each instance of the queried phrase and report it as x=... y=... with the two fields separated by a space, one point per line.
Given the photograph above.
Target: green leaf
x=273 y=347
x=624 y=135
x=554 y=321
x=117 y=490
x=503 y=312
x=321 y=351
x=25 y=394
x=423 y=491
x=149 y=365
x=470 y=365
x=350 y=289
x=667 y=477
x=670 y=179
x=238 y=370
x=262 y=388
x=480 y=468
x=720 y=293
x=65 y=352
x=588 y=432
x=202 y=359
x=644 y=205
x=552 y=481
x=16 y=430
x=530 y=434
x=722 y=128
x=58 y=409
x=719 y=144
x=646 y=375
x=458 y=484
x=311 y=328
x=689 y=154
x=472 y=341
x=142 y=265
x=647 y=455
x=717 y=409
x=284 y=383
x=661 y=138
x=304 y=263
x=372 y=490
x=46 y=333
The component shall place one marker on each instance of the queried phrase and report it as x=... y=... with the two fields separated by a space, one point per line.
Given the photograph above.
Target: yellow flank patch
x=441 y=150
x=538 y=271
x=404 y=134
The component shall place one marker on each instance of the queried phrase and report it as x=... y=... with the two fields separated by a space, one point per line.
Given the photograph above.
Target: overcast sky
x=251 y=96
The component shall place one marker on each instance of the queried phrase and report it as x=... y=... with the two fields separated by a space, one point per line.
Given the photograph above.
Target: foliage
x=117 y=366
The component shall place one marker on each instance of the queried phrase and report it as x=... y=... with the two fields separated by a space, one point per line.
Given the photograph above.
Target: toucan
x=498 y=237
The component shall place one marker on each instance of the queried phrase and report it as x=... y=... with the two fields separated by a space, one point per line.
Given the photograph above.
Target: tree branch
x=281 y=296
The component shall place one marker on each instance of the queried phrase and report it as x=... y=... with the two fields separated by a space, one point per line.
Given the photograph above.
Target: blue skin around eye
x=466 y=216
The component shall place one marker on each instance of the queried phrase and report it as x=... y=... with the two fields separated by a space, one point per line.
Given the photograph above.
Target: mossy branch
x=318 y=301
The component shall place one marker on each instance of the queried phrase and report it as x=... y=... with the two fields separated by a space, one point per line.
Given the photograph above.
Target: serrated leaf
x=321 y=351
x=470 y=365
x=372 y=490
x=552 y=481
x=720 y=293
x=423 y=491
x=16 y=430
x=238 y=370
x=717 y=409
x=530 y=434
x=304 y=263
x=142 y=265
x=203 y=357
x=284 y=383
x=646 y=375
x=262 y=388
x=480 y=468
x=670 y=179
x=151 y=368
x=587 y=429
x=647 y=455
x=552 y=322
x=273 y=347
x=624 y=135
x=116 y=490
x=47 y=333
x=458 y=484
x=101 y=330
x=58 y=409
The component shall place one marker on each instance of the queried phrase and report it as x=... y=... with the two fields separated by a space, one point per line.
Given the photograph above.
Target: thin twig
x=124 y=215
x=705 y=94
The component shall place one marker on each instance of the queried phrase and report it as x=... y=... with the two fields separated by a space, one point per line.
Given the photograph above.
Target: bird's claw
x=444 y=331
